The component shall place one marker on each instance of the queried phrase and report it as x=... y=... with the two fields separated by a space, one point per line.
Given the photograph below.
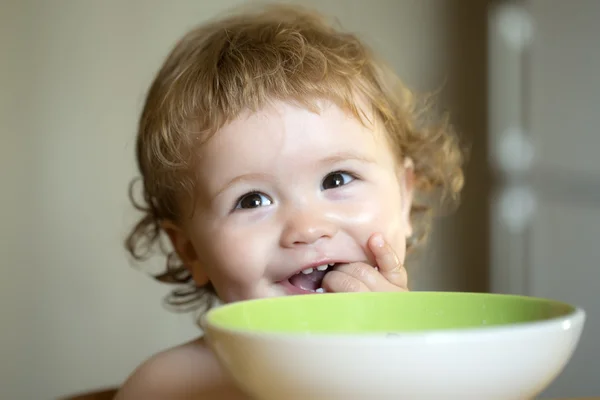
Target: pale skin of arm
x=185 y=372
x=192 y=372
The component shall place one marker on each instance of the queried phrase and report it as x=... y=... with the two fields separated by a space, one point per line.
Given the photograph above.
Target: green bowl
x=367 y=313
x=415 y=345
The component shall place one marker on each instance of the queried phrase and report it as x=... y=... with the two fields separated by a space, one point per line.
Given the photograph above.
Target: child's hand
x=389 y=276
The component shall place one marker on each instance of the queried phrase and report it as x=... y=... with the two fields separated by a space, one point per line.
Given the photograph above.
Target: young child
x=280 y=156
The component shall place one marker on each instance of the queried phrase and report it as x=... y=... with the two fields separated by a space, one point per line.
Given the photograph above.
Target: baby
x=280 y=157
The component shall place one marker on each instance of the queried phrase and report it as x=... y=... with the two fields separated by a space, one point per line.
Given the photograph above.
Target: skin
x=282 y=189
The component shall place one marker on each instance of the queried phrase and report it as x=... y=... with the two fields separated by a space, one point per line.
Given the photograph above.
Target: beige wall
x=15 y=201
x=75 y=314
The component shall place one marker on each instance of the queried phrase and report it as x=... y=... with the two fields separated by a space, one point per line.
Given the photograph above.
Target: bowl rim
x=572 y=320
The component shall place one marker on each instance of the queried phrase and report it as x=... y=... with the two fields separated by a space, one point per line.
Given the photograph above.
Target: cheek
x=379 y=209
x=395 y=224
x=389 y=221
x=234 y=256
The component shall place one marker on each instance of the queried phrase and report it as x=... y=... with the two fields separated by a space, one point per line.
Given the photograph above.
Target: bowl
x=412 y=345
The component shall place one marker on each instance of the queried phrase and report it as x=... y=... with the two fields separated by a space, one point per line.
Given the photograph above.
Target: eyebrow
x=241 y=178
x=346 y=156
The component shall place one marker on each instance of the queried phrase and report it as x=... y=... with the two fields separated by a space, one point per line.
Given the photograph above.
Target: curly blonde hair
x=245 y=60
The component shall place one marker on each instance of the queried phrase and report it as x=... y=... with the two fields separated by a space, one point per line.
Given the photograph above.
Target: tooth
x=320 y=290
x=322 y=267
x=307 y=271
x=331 y=265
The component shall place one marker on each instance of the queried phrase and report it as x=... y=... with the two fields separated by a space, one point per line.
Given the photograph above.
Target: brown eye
x=253 y=200
x=336 y=179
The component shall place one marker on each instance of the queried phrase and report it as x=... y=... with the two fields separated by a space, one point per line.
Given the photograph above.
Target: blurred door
x=544 y=108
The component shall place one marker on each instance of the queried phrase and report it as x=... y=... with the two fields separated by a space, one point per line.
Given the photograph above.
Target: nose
x=305 y=227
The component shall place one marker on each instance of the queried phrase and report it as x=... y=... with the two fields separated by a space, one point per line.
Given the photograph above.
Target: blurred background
x=520 y=79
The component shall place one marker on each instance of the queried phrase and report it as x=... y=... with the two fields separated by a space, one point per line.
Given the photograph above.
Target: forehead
x=284 y=130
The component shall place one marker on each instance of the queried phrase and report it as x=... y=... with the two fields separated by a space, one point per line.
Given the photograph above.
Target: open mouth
x=310 y=280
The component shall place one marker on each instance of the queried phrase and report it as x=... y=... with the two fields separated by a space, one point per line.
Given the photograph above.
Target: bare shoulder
x=188 y=371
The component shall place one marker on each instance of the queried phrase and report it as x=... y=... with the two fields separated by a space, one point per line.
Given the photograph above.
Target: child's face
x=285 y=189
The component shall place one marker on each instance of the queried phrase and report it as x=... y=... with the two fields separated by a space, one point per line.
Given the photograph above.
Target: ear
x=183 y=246
x=406 y=177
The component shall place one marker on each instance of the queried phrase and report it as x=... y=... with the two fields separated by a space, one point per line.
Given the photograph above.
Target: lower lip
x=291 y=289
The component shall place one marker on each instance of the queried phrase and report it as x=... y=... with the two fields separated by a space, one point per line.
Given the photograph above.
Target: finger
x=366 y=274
x=389 y=264
x=338 y=281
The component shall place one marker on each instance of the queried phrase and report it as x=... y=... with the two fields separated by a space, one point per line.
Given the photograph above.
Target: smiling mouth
x=311 y=279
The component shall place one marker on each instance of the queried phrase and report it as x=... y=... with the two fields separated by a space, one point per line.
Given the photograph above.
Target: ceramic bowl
x=415 y=345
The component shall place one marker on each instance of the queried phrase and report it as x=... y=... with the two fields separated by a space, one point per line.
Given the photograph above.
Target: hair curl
x=246 y=60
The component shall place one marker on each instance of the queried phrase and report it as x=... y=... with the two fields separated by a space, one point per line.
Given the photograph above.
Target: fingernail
x=378 y=240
